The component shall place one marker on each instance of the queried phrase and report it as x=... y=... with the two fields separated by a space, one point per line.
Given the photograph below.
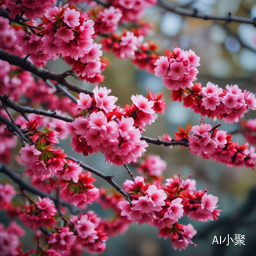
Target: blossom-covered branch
x=40 y=72
x=25 y=109
x=24 y=186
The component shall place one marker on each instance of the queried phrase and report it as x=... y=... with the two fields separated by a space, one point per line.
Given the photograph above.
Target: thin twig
x=15 y=129
x=45 y=232
x=108 y=178
x=8 y=113
x=62 y=89
x=195 y=14
x=58 y=200
x=129 y=172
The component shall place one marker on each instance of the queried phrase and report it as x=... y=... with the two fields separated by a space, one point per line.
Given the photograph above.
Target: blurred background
x=228 y=56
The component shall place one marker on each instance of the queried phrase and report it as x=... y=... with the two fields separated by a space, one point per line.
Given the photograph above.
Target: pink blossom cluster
x=163 y=207
x=61 y=241
x=131 y=45
x=229 y=104
x=89 y=232
x=67 y=32
x=8 y=38
x=76 y=186
x=40 y=214
x=102 y=126
x=38 y=121
x=215 y=144
x=123 y=46
x=143 y=28
x=107 y=20
x=117 y=224
x=132 y=9
x=31 y=9
x=45 y=163
x=250 y=130
x=152 y=166
x=7 y=192
x=9 y=239
x=13 y=80
x=178 y=69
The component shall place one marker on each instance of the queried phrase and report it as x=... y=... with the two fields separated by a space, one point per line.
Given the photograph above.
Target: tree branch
x=40 y=72
x=23 y=109
x=195 y=14
x=24 y=186
x=183 y=142
x=62 y=89
x=15 y=129
x=108 y=178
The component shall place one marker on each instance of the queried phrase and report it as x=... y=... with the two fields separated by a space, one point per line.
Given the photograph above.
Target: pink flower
x=72 y=171
x=128 y=45
x=71 y=17
x=125 y=208
x=162 y=66
x=189 y=185
x=62 y=240
x=29 y=154
x=84 y=227
x=15 y=229
x=8 y=243
x=211 y=102
x=143 y=204
x=220 y=138
x=46 y=207
x=143 y=104
x=52 y=137
x=81 y=126
x=106 y=103
x=187 y=233
x=55 y=164
x=153 y=165
x=60 y=127
x=176 y=71
x=175 y=210
x=38 y=170
x=134 y=215
x=84 y=102
x=6 y=194
x=250 y=100
x=92 y=56
x=98 y=121
x=230 y=100
x=209 y=202
x=205 y=212
x=64 y=34
x=157 y=195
